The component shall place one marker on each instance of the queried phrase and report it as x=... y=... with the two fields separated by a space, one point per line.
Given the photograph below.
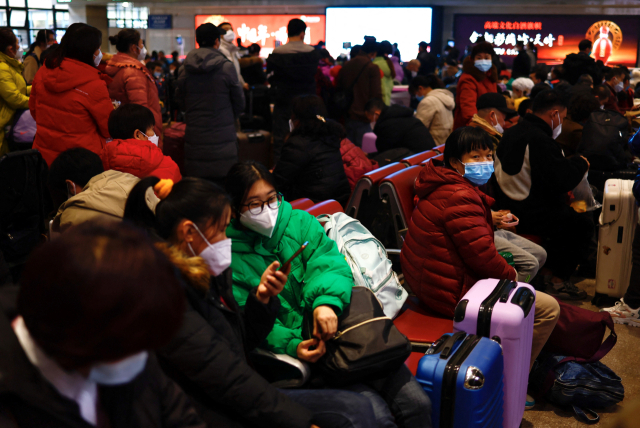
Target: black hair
x=207 y=34
x=585 y=78
x=369 y=46
x=355 y=50
x=540 y=87
x=241 y=177
x=540 y=72
x=429 y=81
x=7 y=39
x=312 y=114
x=612 y=72
x=151 y=65
x=195 y=199
x=584 y=45
x=78 y=165
x=225 y=23
x=601 y=92
x=124 y=121
x=254 y=48
x=41 y=37
x=581 y=107
x=374 y=104
x=547 y=100
x=384 y=47
x=524 y=106
x=124 y=39
x=296 y=27
x=464 y=140
x=558 y=70
x=79 y=42
x=48 y=52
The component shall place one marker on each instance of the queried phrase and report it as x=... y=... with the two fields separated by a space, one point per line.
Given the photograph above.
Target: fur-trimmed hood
x=193 y=269
x=469 y=68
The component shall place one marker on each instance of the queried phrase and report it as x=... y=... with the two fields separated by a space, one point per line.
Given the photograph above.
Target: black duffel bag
x=367 y=345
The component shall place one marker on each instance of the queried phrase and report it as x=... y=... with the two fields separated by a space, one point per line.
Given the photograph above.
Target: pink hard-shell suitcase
x=503 y=310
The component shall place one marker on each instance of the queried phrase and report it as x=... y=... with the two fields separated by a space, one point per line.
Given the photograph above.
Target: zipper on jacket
x=341 y=333
x=483 y=327
x=449 y=380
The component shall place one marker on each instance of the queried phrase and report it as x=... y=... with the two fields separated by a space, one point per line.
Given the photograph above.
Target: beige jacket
x=436 y=112
x=103 y=197
x=31 y=66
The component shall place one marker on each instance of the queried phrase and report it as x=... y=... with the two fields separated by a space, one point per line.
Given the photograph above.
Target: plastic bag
x=583 y=197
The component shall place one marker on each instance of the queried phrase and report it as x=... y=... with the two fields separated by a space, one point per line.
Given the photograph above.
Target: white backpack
x=367 y=259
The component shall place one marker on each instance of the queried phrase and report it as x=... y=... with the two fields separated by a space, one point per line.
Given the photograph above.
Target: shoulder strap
x=358 y=77
x=582 y=416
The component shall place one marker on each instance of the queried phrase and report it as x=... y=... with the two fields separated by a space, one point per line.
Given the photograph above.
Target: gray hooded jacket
x=210 y=94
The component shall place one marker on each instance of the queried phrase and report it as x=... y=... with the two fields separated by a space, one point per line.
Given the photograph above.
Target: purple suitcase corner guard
x=509 y=322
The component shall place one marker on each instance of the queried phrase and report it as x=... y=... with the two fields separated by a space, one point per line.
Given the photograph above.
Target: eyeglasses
x=256 y=207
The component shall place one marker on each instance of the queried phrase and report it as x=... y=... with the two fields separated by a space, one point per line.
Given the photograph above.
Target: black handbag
x=367 y=345
x=341 y=99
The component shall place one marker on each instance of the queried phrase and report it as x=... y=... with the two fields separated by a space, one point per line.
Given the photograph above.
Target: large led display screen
x=406 y=26
x=266 y=30
x=615 y=38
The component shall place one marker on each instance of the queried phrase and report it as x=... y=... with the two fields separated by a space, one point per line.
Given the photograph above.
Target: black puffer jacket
x=207 y=358
x=27 y=399
x=398 y=128
x=310 y=166
x=209 y=92
x=292 y=74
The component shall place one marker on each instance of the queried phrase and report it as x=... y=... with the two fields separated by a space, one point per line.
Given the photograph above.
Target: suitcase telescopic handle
x=450 y=343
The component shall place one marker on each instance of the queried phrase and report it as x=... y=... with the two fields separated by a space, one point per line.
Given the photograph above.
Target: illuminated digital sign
x=555 y=36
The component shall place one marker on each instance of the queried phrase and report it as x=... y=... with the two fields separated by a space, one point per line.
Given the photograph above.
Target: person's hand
x=585 y=159
x=497 y=217
x=246 y=86
x=311 y=355
x=325 y=322
x=272 y=282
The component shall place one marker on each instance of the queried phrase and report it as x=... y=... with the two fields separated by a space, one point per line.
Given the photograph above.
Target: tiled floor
x=623 y=360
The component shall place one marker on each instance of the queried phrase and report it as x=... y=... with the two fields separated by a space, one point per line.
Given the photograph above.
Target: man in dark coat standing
x=576 y=64
x=428 y=61
x=212 y=97
x=521 y=63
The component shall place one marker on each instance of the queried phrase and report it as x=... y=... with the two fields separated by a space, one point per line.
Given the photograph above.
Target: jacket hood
x=204 y=60
x=194 y=270
x=69 y=75
x=137 y=157
x=445 y=96
x=122 y=60
x=469 y=67
x=248 y=241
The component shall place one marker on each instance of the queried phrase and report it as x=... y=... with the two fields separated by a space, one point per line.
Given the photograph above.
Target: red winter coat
x=449 y=245
x=71 y=107
x=355 y=162
x=134 y=84
x=471 y=85
x=139 y=158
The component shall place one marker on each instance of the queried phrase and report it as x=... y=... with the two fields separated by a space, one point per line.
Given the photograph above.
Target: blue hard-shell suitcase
x=462 y=374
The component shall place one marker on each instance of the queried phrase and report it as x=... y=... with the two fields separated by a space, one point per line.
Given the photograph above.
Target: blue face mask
x=419 y=97
x=483 y=64
x=478 y=172
x=157 y=74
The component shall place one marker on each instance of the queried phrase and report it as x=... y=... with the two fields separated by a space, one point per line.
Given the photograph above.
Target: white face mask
x=19 y=53
x=153 y=139
x=217 y=256
x=558 y=129
x=291 y=127
x=97 y=59
x=230 y=36
x=498 y=127
x=121 y=372
x=262 y=223
x=143 y=54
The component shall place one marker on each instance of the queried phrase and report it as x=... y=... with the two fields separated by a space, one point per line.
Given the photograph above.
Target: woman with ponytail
x=208 y=356
x=33 y=59
x=69 y=100
x=132 y=81
x=310 y=164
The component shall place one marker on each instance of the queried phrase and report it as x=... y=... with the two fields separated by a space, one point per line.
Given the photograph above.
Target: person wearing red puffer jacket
x=132 y=81
x=449 y=245
x=479 y=76
x=355 y=162
x=135 y=146
x=69 y=101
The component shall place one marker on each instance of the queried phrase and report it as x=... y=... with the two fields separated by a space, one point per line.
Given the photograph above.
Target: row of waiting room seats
x=392 y=186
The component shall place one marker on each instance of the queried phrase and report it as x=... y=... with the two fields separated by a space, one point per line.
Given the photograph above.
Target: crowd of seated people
x=164 y=286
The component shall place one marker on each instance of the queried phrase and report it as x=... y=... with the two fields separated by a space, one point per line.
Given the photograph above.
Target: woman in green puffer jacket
x=266 y=229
